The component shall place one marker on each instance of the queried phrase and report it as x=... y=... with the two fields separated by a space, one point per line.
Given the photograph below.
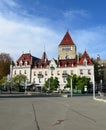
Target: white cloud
x=16 y=38
x=19 y=37
x=10 y=3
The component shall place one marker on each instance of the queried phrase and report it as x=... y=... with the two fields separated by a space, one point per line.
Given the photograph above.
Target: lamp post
x=101 y=80
x=93 y=87
x=25 y=86
x=71 y=86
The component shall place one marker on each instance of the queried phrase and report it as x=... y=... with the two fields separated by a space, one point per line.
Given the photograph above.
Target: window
x=89 y=71
x=40 y=72
x=21 y=63
x=45 y=72
x=34 y=73
x=39 y=80
x=85 y=62
x=64 y=71
x=33 y=80
x=25 y=63
x=64 y=79
x=19 y=71
x=71 y=48
x=67 y=57
x=51 y=72
x=81 y=71
x=24 y=71
x=72 y=72
x=58 y=72
x=15 y=72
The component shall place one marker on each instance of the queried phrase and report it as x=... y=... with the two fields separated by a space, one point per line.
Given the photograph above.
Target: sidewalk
x=102 y=97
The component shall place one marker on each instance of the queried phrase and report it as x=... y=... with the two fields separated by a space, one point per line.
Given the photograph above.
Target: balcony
x=64 y=74
x=52 y=67
x=40 y=76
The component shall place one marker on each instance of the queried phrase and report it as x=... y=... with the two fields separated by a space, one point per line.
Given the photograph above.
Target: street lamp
x=101 y=80
x=71 y=86
x=25 y=86
x=93 y=87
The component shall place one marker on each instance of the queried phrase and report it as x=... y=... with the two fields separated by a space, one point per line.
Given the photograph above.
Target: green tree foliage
x=82 y=81
x=5 y=61
x=19 y=81
x=52 y=83
x=78 y=82
x=2 y=82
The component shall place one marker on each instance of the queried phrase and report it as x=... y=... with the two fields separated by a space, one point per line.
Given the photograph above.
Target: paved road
x=57 y=113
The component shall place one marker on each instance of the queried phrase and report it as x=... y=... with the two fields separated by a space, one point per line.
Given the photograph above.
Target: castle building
x=38 y=70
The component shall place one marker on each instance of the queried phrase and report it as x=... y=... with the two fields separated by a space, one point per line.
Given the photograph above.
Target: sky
x=35 y=26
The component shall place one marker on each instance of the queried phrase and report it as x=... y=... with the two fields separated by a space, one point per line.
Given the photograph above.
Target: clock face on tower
x=67 y=49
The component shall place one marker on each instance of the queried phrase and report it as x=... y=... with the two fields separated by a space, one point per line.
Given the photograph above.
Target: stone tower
x=67 y=48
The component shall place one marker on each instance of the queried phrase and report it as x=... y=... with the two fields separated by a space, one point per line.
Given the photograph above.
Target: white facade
x=39 y=70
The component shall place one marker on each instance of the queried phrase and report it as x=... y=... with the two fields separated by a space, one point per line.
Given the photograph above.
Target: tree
x=53 y=83
x=82 y=82
x=5 y=61
x=78 y=82
x=2 y=82
x=74 y=81
x=19 y=81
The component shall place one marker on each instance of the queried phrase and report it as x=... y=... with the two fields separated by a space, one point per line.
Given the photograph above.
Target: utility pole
x=71 y=86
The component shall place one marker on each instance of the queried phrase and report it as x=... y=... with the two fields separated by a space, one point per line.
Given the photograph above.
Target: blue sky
x=32 y=25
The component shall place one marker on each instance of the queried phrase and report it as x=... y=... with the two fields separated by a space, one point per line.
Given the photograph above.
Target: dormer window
x=16 y=64
x=72 y=65
x=52 y=67
x=85 y=62
x=59 y=65
x=21 y=63
x=26 y=63
x=65 y=65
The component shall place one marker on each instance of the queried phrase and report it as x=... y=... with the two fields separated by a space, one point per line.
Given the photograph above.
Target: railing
x=40 y=76
x=64 y=74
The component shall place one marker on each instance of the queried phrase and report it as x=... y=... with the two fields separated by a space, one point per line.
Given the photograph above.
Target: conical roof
x=67 y=40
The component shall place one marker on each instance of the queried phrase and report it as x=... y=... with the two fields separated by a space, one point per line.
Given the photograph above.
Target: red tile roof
x=67 y=40
x=42 y=63
x=26 y=58
x=85 y=56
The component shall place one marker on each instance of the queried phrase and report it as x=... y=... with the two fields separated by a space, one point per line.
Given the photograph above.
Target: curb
x=101 y=100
